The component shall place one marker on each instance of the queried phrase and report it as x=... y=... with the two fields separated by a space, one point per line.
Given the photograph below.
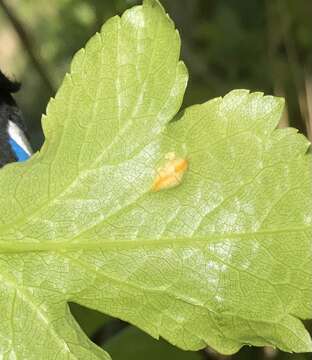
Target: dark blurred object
x=10 y=116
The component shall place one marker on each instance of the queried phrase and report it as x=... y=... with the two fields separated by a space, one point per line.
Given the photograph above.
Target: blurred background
x=261 y=45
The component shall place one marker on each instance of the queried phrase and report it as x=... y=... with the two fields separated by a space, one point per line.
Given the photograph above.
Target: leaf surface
x=223 y=259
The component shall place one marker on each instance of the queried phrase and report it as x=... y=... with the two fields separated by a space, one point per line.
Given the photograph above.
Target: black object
x=9 y=111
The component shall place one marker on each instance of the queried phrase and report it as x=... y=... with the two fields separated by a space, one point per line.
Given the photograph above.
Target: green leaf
x=132 y=344
x=223 y=259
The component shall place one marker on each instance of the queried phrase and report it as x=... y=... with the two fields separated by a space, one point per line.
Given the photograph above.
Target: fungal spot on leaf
x=171 y=173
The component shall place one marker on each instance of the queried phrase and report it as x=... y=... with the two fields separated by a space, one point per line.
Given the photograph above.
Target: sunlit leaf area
x=166 y=212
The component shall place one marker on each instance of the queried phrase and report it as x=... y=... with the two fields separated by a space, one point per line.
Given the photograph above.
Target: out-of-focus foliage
x=260 y=45
x=136 y=345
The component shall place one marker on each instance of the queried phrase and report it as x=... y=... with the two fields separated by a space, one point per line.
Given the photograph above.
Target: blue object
x=19 y=152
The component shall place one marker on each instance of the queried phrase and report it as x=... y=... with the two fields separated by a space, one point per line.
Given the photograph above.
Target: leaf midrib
x=21 y=246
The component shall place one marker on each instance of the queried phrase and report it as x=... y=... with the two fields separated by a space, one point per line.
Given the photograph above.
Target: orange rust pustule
x=170 y=175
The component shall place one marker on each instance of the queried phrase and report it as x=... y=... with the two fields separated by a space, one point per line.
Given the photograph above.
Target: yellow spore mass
x=171 y=173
